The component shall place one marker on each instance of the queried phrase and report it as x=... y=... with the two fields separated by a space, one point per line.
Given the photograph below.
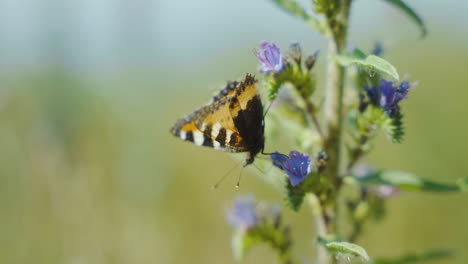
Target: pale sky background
x=94 y=35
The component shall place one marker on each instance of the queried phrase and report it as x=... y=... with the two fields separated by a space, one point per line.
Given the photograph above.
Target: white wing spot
x=203 y=127
x=215 y=130
x=198 y=137
x=183 y=135
x=228 y=136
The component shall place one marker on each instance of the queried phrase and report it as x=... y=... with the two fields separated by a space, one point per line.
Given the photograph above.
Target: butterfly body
x=232 y=122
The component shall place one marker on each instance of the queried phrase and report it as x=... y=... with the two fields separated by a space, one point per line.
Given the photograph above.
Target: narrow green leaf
x=405 y=8
x=293 y=8
x=410 y=182
x=371 y=63
x=415 y=258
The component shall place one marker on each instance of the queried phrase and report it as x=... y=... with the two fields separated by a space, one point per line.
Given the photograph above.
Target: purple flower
x=387 y=96
x=270 y=58
x=278 y=159
x=243 y=213
x=297 y=165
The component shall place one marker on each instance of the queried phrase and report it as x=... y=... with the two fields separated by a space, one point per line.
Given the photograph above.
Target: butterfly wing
x=233 y=122
x=247 y=113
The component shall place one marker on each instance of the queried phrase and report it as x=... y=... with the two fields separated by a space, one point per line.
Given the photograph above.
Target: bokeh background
x=88 y=90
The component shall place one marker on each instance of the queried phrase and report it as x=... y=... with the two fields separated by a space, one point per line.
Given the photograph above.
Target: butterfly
x=232 y=122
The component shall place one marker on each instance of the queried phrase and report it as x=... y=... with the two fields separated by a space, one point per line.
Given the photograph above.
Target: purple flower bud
x=243 y=213
x=295 y=52
x=270 y=58
x=378 y=49
x=310 y=60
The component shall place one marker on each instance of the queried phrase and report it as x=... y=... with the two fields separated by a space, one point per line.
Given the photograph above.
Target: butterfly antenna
x=262 y=170
x=240 y=177
x=218 y=183
x=268 y=108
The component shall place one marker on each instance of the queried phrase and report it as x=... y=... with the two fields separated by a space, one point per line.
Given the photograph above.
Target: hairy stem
x=311 y=111
x=333 y=110
x=320 y=224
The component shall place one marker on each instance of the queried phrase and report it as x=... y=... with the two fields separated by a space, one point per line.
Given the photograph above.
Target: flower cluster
x=297 y=165
x=387 y=96
x=280 y=68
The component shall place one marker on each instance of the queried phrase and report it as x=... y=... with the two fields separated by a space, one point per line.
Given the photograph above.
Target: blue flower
x=386 y=96
x=278 y=159
x=270 y=58
x=243 y=213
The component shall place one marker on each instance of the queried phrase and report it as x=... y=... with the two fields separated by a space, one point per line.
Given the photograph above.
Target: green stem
x=320 y=223
x=333 y=110
x=313 y=117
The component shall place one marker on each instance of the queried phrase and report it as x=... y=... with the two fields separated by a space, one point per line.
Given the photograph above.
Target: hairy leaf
x=345 y=248
x=371 y=63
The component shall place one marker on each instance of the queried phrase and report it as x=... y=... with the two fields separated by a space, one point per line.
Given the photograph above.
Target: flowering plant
x=363 y=94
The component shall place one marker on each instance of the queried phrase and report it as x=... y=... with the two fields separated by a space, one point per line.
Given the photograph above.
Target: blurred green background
x=88 y=90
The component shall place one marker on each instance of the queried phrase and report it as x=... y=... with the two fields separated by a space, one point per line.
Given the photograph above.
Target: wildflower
x=270 y=58
x=298 y=167
x=243 y=213
x=278 y=159
x=386 y=96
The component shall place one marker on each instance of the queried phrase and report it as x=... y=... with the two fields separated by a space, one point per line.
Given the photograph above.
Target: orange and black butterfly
x=232 y=122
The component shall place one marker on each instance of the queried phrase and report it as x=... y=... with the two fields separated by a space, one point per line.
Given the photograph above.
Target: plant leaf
x=406 y=9
x=346 y=248
x=410 y=182
x=293 y=8
x=371 y=63
x=415 y=258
